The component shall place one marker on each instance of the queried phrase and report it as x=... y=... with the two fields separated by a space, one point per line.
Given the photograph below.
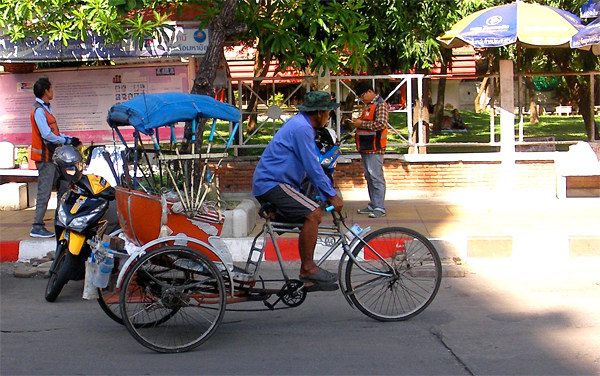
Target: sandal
x=321 y=276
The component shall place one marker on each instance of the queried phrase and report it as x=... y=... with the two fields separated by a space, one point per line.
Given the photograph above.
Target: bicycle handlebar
x=323 y=205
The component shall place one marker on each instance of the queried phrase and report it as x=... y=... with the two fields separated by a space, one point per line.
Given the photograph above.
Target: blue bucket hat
x=317 y=101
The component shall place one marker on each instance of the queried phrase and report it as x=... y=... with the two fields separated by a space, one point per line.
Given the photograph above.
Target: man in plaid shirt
x=371 y=140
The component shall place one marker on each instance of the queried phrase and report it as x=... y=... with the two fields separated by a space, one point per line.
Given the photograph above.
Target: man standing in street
x=371 y=140
x=45 y=138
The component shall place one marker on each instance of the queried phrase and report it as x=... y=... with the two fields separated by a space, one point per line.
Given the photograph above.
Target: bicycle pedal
x=321 y=287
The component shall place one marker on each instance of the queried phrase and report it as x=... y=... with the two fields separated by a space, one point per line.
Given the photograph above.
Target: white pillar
x=507 y=126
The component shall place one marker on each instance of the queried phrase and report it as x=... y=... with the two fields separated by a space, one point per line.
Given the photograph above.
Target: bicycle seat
x=268 y=211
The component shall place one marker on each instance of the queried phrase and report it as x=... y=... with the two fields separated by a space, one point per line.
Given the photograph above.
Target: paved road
x=504 y=317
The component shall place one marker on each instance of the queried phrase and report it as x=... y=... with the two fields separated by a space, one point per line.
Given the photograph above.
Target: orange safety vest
x=369 y=140
x=41 y=150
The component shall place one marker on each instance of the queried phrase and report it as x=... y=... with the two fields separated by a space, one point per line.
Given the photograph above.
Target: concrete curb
x=540 y=246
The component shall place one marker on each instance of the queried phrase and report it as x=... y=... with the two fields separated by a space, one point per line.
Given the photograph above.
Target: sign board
x=184 y=40
x=82 y=98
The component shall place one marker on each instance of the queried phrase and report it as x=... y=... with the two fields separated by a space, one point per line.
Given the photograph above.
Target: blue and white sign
x=184 y=40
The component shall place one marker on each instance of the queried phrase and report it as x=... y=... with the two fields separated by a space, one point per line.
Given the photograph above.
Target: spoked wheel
x=172 y=299
x=108 y=297
x=397 y=276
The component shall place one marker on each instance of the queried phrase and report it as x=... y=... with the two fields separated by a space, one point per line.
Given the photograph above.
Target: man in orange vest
x=371 y=140
x=45 y=138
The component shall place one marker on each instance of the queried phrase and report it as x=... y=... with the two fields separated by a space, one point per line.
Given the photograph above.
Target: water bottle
x=354 y=230
x=104 y=268
x=364 y=231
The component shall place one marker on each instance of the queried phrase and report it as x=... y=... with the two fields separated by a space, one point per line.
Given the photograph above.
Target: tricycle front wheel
x=396 y=275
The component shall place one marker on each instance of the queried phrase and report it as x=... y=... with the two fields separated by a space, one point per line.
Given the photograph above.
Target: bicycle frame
x=336 y=230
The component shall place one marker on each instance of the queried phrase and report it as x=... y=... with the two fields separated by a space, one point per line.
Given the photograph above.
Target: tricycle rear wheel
x=172 y=299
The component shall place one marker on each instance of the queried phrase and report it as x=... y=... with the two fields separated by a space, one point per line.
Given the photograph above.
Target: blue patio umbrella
x=588 y=37
x=530 y=25
x=525 y=24
x=591 y=9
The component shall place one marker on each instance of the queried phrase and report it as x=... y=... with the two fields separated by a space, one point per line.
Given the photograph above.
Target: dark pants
x=47 y=177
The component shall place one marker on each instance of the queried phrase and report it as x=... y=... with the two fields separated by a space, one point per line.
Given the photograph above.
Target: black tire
x=411 y=274
x=108 y=297
x=60 y=276
x=172 y=299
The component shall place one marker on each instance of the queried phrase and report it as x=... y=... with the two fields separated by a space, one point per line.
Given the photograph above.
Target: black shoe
x=40 y=232
x=377 y=213
x=365 y=211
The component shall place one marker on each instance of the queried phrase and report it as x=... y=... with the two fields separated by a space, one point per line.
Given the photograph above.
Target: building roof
x=240 y=62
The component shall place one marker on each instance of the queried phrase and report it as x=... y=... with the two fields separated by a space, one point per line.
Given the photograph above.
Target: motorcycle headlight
x=80 y=223
x=62 y=217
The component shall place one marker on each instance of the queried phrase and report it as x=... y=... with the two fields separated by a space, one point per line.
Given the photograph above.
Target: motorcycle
x=82 y=213
x=328 y=151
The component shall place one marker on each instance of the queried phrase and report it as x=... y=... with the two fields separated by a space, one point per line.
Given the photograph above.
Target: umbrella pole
x=519 y=85
x=592 y=107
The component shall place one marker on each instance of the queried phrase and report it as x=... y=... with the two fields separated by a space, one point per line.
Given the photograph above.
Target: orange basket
x=140 y=217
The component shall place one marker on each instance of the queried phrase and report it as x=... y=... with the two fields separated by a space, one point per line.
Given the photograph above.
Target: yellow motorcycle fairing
x=75 y=241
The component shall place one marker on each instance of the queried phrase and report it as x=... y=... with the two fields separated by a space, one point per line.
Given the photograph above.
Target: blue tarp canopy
x=149 y=111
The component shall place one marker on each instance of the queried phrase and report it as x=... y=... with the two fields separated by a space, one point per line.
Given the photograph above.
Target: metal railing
x=274 y=108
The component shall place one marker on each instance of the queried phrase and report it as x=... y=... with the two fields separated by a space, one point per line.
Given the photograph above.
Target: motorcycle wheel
x=59 y=277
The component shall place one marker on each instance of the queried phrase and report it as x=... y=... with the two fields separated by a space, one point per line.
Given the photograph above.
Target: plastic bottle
x=104 y=268
x=354 y=230
x=90 y=292
x=364 y=231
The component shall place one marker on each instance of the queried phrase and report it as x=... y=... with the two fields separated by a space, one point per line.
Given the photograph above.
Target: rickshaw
x=177 y=276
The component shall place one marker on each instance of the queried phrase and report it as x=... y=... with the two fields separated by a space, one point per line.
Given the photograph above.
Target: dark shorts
x=292 y=206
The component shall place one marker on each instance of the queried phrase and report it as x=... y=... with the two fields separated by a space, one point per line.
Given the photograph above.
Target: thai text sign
x=182 y=41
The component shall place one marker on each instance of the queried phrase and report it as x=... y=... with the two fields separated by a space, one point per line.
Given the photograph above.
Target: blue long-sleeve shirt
x=289 y=157
x=42 y=124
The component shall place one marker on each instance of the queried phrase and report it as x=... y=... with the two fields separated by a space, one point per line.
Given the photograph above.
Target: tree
x=402 y=35
x=577 y=61
x=308 y=35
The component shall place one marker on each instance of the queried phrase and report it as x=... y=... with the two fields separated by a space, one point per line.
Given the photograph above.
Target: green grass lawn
x=563 y=128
